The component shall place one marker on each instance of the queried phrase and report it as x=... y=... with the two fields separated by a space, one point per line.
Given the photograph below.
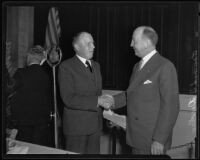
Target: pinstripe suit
x=152 y=108
x=79 y=90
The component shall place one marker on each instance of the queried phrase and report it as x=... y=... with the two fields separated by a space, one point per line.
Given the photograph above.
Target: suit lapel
x=83 y=68
x=79 y=63
x=139 y=76
x=92 y=76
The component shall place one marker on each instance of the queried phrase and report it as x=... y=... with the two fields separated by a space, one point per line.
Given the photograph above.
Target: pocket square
x=147 y=82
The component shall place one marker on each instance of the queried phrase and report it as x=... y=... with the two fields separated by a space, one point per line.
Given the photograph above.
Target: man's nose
x=132 y=44
x=93 y=47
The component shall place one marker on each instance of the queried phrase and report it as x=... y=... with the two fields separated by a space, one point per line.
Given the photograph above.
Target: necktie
x=88 y=66
x=141 y=64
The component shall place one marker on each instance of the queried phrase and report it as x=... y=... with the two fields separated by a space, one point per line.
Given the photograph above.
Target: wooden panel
x=188 y=102
x=111 y=92
x=184 y=129
x=182 y=153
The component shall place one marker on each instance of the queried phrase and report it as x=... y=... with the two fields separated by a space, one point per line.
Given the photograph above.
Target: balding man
x=152 y=97
x=80 y=84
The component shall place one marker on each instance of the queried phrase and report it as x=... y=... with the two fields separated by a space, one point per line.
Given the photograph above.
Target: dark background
x=112 y=24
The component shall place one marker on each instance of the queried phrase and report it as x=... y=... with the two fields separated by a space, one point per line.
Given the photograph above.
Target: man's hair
x=151 y=34
x=37 y=50
x=76 y=38
x=35 y=54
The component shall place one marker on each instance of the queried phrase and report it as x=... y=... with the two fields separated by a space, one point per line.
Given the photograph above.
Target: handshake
x=106 y=101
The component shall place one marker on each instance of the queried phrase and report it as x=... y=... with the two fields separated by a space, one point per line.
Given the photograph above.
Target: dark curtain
x=112 y=24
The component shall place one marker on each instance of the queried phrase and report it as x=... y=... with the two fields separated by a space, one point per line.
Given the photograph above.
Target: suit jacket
x=79 y=90
x=152 y=103
x=33 y=100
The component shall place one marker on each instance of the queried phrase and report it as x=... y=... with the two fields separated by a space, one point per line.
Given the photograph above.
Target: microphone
x=54 y=56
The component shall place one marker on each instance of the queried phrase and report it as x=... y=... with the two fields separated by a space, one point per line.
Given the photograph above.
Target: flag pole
x=55 y=108
x=53 y=31
x=53 y=59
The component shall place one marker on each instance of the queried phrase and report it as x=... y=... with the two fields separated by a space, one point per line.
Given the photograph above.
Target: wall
x=19 y=31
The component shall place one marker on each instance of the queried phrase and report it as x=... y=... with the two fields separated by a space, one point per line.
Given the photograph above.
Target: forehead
x=86 y=37
x=137 y=34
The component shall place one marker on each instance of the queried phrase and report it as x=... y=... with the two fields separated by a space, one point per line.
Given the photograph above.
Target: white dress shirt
x=84 y=60
x=147 y=57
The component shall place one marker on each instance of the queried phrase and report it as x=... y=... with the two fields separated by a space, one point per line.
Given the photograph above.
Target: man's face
x=86 y=46
x=138 y=43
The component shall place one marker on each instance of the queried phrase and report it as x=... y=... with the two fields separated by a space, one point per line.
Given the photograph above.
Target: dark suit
x=32 y=104
x=79 y=90
x=152 y=108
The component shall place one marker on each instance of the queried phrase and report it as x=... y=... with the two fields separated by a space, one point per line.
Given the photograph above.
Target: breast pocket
x=148 y=91
x=145 y=85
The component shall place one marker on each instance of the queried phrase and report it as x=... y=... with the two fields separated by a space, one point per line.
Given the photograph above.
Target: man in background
x=80 y=85
x=32 y=103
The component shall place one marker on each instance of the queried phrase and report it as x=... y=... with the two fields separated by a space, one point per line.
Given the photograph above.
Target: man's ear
x=76 y=46
x=147 y=43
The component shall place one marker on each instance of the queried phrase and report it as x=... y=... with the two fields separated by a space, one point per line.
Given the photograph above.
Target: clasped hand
x=106 y=101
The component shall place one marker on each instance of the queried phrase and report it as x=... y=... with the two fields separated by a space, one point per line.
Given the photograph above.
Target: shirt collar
x=41 y=63
x=33 y=63
x=83 y=60
x=149 y=55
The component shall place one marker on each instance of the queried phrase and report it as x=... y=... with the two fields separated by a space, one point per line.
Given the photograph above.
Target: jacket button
x=136 y=118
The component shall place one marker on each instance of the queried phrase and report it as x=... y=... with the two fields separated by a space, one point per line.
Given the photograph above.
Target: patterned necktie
x=88 y=66
x=141 y=64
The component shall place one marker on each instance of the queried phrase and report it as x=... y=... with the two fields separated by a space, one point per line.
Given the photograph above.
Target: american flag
x=9 y=62
x=53 y=30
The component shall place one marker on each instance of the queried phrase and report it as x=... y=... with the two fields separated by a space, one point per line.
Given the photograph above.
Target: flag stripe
x=47 y=40
x=10 y=65
x=53 y=29
x=49 y=37
x=52 y=34
x=56 y=20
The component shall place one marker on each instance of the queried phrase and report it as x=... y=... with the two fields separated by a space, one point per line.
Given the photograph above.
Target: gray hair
x=77 y=37
x=35 y=54
x=151 y=34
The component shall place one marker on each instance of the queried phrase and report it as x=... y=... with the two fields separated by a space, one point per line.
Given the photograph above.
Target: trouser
x=83 y=144
x=36 y=134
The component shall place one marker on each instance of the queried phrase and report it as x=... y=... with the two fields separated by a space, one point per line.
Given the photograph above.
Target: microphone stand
x=55 y=52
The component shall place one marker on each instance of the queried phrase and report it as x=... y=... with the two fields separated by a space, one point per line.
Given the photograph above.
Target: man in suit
x=80 y=85
x=32 y=102
x=152 y=97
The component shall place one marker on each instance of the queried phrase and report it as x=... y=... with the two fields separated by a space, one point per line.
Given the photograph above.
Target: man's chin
x=91 y=56
x=137 y=54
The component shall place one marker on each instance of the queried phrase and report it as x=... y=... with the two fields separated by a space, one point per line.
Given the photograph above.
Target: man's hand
x=106 y=101
x=157 y=148
x=110 y=98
